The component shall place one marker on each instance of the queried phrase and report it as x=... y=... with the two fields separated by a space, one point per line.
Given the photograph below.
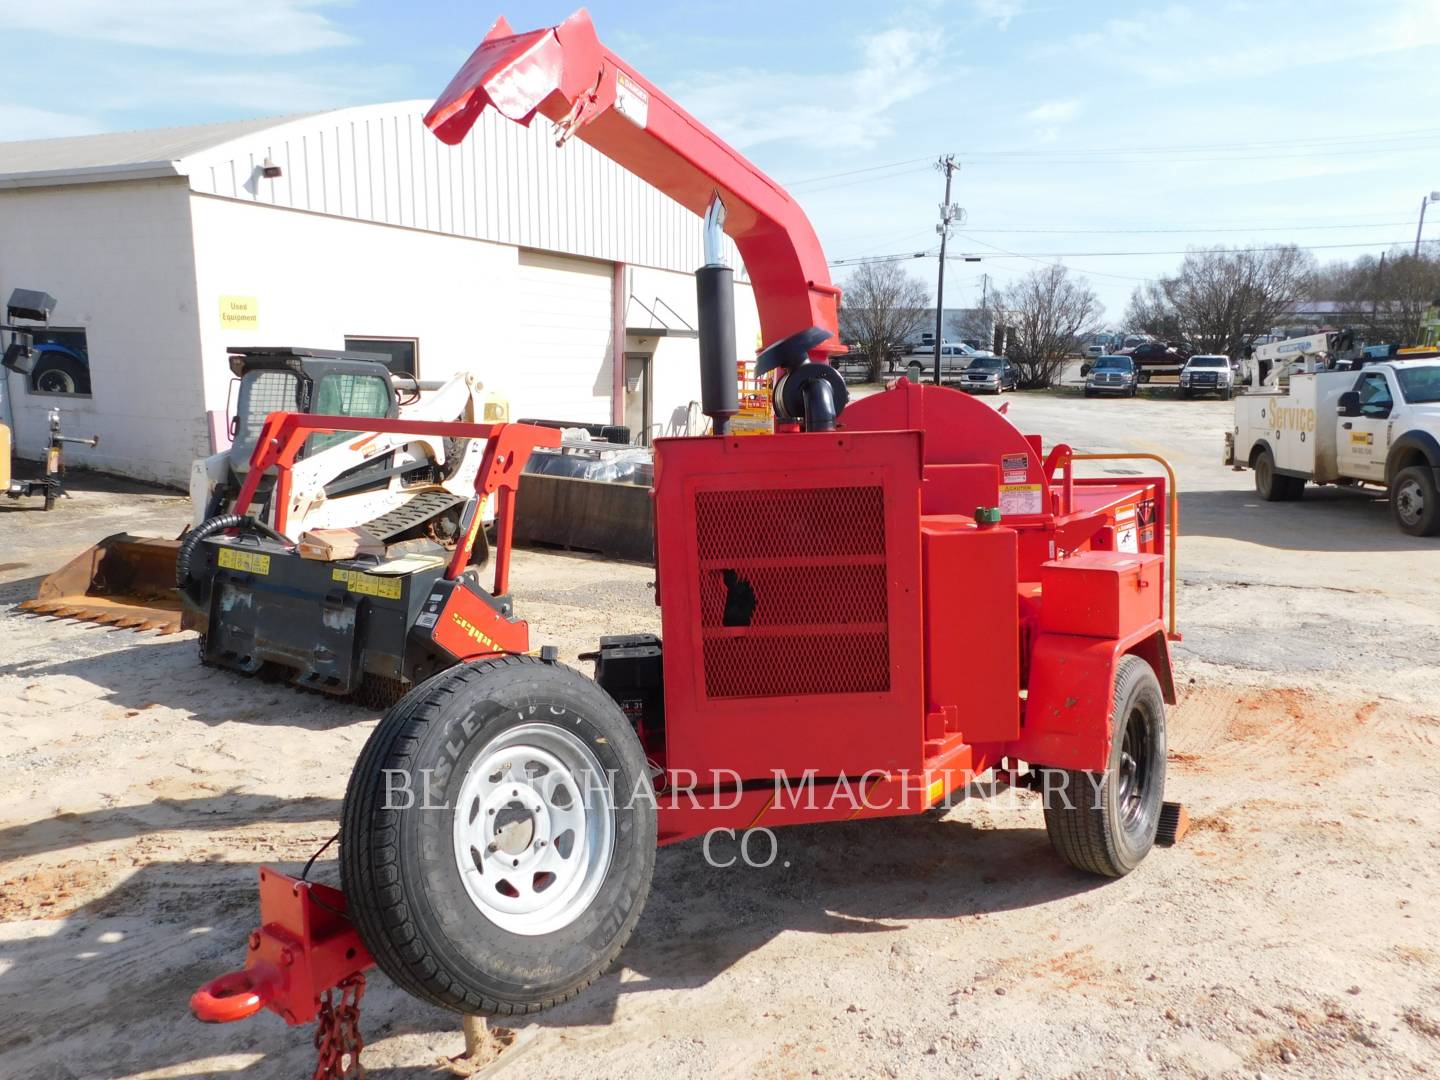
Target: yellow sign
x=357 y=581
x=1362 y=438
x=239 y=313
x=252 y=562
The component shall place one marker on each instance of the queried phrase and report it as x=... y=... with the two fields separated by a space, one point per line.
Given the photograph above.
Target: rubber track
x=376 y=903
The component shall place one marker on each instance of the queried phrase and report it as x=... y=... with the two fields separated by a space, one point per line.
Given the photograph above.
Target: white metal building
x=561 y=279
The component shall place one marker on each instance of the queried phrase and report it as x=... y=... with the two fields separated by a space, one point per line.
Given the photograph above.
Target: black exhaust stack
x=715 y=312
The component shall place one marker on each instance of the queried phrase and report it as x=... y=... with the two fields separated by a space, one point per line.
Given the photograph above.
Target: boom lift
x=861 y=612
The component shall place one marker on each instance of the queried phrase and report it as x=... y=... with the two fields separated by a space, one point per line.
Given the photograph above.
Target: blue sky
x=1129 y=129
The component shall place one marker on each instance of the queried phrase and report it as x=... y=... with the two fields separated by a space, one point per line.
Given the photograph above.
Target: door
x=1363 y=441
x=563 y=368
x=639 y=397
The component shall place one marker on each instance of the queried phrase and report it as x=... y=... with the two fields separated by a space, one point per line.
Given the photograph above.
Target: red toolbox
x=1100 y=593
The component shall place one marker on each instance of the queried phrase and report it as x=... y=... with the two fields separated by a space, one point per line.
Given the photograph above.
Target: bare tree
x=882 y=305
x=1387 y=296
x=1150 y=313
x=1047 y=313
x=1221 y=300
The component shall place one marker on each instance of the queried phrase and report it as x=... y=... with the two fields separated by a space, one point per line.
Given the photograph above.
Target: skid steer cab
x=372 y=621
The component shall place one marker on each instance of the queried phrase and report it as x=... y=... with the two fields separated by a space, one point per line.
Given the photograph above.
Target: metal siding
x=504 y=184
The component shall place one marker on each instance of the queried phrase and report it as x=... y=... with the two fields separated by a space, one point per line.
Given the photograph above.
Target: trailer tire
x=1105 y=823
x=415 y=875
x=1415 y=502
x=1270 y=485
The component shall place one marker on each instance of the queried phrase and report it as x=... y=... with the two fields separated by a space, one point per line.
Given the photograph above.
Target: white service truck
x=1379 y=426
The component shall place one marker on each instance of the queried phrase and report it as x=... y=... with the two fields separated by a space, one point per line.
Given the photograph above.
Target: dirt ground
x=1294 y=932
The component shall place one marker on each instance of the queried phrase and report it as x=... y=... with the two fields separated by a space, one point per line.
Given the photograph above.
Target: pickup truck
x=954 y=358
x=1377 y=426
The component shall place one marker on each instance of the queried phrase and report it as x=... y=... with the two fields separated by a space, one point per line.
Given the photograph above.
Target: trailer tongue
x=861 y=613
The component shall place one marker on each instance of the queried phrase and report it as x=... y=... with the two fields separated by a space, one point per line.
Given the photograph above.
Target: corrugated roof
x=127 y=153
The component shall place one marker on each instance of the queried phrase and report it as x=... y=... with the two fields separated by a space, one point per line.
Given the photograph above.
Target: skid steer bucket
x=124 y=580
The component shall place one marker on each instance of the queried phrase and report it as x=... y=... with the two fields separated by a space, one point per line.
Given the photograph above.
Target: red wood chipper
x=861 y=613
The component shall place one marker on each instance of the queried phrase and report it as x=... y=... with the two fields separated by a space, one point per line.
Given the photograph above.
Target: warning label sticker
x=1019 y=499
x=632 y=100
x=357 y=581
x=252 y=562
x=1015 y=468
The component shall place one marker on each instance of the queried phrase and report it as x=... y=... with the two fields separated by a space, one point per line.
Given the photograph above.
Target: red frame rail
x=507 y=448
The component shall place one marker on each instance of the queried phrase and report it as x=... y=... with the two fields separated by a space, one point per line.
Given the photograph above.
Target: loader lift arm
x=565 y=74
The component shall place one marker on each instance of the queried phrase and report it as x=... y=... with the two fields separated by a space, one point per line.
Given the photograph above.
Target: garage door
x=564 y=366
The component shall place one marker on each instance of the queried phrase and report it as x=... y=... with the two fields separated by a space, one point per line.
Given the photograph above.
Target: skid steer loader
x=397 y=487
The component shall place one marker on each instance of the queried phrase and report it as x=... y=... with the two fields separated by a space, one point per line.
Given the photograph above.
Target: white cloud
x=1051 y=112
x=1000 y=12
x=247 y=27
x=26 y=122
x=1150 y=46
x=310 y=88
x=850 y=112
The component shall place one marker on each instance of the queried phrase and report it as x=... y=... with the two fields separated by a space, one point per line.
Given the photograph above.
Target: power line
x=853 y=172
x=1409 y=135
x=1042 y=255
x=1217 y=250
x=1194 y=229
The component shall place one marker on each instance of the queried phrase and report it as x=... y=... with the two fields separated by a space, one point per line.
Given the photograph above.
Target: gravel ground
x=1294 y=932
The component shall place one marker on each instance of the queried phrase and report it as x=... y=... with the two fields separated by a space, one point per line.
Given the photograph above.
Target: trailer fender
x=1066 y=722
x=1413 y=448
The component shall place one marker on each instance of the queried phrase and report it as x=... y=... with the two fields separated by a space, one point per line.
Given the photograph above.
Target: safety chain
x=337 y=1032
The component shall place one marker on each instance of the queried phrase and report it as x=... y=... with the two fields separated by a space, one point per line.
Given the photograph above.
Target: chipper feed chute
x=123 y=580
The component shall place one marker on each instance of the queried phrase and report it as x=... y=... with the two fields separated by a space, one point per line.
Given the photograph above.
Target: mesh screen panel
x=793 y=591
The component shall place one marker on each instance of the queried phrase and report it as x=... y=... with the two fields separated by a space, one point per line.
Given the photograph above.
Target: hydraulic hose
x=209 y=528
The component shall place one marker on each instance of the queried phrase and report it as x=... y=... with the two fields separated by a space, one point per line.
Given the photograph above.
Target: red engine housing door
x=789 y=576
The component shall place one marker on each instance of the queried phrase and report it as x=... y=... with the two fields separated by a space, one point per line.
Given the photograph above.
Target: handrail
x=1172 y=501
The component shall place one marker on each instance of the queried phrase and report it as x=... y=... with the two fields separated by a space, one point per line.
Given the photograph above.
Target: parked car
x=1158 y=352
x=1207 y=375
x=921 y=341
x=1113 y=375
x=954 y=358
x=990 y=374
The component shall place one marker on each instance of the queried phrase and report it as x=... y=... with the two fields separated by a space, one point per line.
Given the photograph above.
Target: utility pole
x=1434 y=196
x=985 y=310
x=948 y=213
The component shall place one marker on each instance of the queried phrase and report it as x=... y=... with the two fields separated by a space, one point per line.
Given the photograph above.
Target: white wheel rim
x=534 y=829
x=1410 y=501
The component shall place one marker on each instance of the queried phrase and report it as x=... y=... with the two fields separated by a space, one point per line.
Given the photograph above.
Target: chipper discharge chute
x=399 y=486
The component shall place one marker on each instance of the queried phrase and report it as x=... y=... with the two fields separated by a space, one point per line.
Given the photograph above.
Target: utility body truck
x=1376 y=426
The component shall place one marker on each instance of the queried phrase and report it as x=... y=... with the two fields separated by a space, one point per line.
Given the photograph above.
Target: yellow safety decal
x=357 y=581
x=1362 y=438
x=252 y=562
x=934 y=791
